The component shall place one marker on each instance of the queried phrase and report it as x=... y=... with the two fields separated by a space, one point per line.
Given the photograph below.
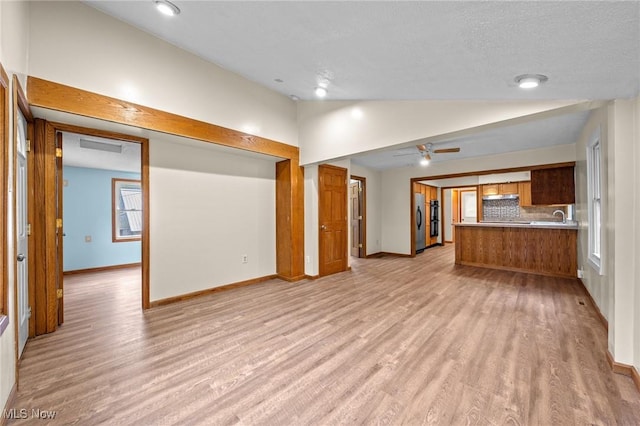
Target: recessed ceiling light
x=530 y=81
x=166 y=7
x=320 y=92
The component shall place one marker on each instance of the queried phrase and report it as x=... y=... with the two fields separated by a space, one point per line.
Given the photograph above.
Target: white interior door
x=24 y=311
x=469 y=206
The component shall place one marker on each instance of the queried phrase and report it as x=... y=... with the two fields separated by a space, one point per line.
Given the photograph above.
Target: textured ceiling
x=423 y=50
x=410 y=50
x=560 y=130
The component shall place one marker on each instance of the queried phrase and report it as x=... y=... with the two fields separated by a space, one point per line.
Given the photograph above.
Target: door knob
x=20 y=257
x=323 y=227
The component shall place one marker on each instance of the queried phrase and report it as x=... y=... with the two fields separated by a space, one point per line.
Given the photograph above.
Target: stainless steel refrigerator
x=421 y=222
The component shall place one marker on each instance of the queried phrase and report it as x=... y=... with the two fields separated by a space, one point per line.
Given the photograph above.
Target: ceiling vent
x=101 y=146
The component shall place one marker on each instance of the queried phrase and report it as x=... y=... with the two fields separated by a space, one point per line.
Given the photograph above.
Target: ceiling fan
x=426 y=150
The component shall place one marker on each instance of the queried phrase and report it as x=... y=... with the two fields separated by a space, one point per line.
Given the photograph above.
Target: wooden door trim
x=144 y=179
x=50 y=95
x=59 y=233
x=363 y=224
x=289 y=220
x=345 y=247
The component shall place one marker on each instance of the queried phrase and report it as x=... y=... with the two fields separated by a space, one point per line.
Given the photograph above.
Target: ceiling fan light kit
x=426 y=151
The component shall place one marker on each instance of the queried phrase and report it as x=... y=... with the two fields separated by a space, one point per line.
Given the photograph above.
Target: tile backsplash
x=510 y=211
x=500 y=210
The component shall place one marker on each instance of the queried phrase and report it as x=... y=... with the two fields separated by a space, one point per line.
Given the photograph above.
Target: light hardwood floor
x=394 y=341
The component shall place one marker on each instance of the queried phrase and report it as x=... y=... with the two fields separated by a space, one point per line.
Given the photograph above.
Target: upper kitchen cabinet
x=553 y=186
x=500 y=189
x=524 y=190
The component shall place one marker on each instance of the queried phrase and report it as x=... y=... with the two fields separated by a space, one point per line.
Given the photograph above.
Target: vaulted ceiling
x=424 y=50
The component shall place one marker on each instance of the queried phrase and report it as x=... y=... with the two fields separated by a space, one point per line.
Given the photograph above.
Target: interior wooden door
x=332 y=219
x=354 y=205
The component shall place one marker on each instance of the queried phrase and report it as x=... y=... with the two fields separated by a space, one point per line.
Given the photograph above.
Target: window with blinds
x=127 y=210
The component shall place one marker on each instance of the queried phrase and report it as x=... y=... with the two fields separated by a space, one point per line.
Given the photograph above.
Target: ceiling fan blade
x=446 y=150
x=403 y=155
x=421 y=148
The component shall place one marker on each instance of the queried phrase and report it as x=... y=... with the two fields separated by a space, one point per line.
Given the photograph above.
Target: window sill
x=4 y=323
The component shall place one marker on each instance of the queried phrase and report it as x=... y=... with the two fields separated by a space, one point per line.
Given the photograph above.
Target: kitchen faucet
x=564 y=219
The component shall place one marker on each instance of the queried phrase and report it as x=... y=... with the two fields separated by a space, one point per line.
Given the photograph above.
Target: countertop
x=546 y=225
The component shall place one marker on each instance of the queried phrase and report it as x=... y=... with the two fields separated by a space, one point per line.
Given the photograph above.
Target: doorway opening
x=358 y=214
x=102 y=199
x=453 y=210
x=83 y=223
x=102 y=196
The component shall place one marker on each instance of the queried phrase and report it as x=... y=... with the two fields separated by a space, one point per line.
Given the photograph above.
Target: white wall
x=636 y=198
x=373 y=207
x=396 y=233
x=617 y=290
x=622 y=175
x=207 y=210
x=599 y=286
x=14 y=37
x=447 y=209
x=329 y=130
x=311 y=219
x=74 y=44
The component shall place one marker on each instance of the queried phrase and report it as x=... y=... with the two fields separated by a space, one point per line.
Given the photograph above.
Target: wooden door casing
x=332 y=219
x=59 y=231
x=354 y=205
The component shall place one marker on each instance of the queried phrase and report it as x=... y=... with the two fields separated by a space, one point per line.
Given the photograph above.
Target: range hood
x=501 y=197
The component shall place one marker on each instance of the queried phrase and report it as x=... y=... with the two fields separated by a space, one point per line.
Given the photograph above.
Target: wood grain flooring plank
x=394 y=341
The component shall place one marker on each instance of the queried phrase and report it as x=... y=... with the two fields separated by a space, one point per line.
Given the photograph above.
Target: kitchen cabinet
x=493 y=189
x=524 y=193
x=430 y=193
x=500 y=189
x=546 y=251
x=508 y=188
x=553 y=186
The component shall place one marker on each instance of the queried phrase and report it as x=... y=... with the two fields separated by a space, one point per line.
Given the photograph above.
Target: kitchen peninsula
x=544 y=249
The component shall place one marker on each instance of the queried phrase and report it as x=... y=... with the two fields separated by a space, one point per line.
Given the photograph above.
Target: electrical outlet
x=245 y=258
x=580 y=273
x=87 y=238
